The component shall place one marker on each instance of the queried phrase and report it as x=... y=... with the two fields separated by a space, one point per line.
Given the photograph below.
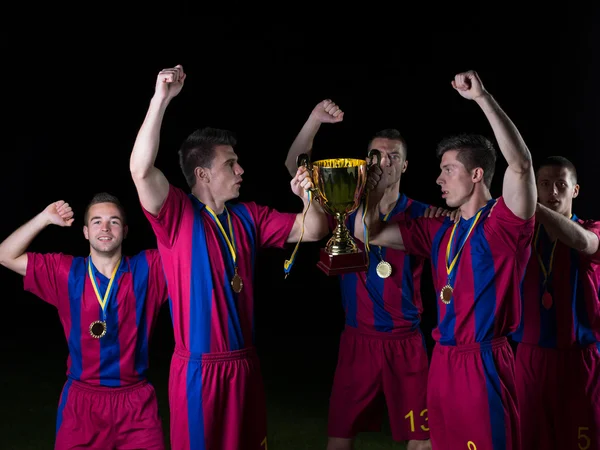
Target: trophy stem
x=341 y=242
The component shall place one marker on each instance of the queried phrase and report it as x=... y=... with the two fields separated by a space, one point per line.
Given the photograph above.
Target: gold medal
x=236 y=283
x=98 y=329
x=384 y=269
x=547 y=300
x=446 y=294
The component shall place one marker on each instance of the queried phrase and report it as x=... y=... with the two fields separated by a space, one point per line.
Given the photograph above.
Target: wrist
x=484 y=98
x=160 y=102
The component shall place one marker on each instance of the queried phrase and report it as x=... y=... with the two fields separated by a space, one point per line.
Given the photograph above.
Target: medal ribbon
x=101 y=300
x=385 y=219
x=450 y=268
x=546 y=271
x=230 y=242
x=287 y=265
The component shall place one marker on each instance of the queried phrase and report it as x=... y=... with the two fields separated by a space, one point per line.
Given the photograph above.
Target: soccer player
x=208 y=245
x=108 y=304
x=479 y=264
x=382 y=355
x=558 y=359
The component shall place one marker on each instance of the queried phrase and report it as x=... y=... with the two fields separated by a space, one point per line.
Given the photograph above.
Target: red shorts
x=217 y=401
x=100 y=418
x=471 y=397
x=377 y=368
x=559 y=397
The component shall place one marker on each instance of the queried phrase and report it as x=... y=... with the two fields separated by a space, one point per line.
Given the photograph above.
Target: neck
x=105 y=263
x=206 y=197
x=389 y=199
x=476 y=201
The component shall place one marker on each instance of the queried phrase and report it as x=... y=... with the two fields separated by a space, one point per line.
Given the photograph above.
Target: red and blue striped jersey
x=120 y=358
x=393 y=304
x=488 y=274
x=208 y=316
x=572 y=316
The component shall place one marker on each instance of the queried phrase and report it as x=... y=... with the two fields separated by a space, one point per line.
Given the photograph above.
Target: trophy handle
x=374 y=153
x=303 y=160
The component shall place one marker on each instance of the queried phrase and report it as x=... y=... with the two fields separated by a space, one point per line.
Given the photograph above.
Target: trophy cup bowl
x=339 y=185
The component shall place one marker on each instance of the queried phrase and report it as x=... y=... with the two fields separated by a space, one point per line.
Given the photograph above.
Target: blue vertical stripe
x=494 y=393
x=110 y=353
x=348 y=284
x=447 y=325
x=140 y=273
x=194 y=404
x=250 y=231
x=201 y=287
x=484 y=285
x=234 y=333
x=77 y=277
x=61 y=404
x=375 y=287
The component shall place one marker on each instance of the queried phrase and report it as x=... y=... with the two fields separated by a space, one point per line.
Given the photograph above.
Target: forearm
x=302 y=144
x=145 y=149
x=13 y=248
x=570 y=233
x=152 y=186
x=509 y=139
x=316 y=225
x=371 y=220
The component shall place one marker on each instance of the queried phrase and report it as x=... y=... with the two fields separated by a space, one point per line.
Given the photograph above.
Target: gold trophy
x=339 y=185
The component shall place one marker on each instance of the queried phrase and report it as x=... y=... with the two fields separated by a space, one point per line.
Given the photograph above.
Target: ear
x=86 y=232
x=477 y=175
x=404 y=166
x=202 y=174
x=125 y=231
x=575 y=191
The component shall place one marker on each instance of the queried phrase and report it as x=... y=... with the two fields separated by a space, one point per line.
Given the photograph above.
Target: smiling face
x=105 y=228
x=557 y=187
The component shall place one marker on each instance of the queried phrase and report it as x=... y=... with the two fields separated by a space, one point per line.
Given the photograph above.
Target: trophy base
x=339 y=264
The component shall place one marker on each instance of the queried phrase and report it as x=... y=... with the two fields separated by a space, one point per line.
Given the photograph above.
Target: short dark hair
x=198 y=150
x=474 y=151
x=393 y=135
x=104 y=197
x=559 y=161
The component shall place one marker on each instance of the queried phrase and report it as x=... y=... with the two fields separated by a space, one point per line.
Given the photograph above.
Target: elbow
x=523 y=165
x=138 y=173
x=588 y=246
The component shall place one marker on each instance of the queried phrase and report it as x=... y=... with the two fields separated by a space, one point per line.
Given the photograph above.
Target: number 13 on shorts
x=411 y=417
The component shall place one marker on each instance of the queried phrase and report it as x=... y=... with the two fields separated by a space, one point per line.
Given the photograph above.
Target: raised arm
x=13 y=249
x=314 y=224
x=518 y=188
x=324 y=112
x=151 y=184
x=567 y=231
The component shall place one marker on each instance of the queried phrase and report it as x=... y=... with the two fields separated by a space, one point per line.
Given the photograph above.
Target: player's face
x=455 y=180
x=392 y=155
x=105 y=229
x=225 y=174
x=556 y=188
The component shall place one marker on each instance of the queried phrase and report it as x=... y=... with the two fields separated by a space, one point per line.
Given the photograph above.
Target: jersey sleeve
x=166 y=223
x=44 y=275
